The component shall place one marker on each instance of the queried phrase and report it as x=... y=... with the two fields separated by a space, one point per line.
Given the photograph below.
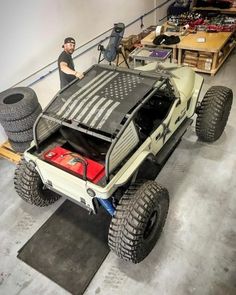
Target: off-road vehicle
x=101 y=142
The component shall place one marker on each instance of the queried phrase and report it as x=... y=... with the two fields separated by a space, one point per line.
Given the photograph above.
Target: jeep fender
x=195 y=96
x=122 y=177
x=133 y=168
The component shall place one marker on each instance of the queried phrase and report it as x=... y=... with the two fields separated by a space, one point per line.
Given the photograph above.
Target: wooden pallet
x=7 y=152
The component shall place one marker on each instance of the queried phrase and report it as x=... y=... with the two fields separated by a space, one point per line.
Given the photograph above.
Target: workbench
x=149 y=54
x=214 y=43
x=148 y=41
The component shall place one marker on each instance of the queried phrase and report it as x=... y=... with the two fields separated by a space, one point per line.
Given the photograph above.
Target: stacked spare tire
x=19 y=109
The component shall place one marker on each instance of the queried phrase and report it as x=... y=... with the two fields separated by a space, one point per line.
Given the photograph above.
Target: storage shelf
x=214 y=43
x=222 y=61
x=226 y=11
x=213 y=72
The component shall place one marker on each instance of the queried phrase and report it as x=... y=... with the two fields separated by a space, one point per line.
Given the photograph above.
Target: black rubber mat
x=70 y=247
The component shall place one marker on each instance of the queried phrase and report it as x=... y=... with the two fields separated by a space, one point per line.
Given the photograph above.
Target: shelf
x=202 y=71
x=227 y=11
x=215 y=42
x=213 y=71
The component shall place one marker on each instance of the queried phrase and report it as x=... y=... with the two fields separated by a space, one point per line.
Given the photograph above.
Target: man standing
x=66 y=65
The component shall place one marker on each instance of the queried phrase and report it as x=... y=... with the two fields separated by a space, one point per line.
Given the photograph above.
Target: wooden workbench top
x=148 y=41
x=214 y=41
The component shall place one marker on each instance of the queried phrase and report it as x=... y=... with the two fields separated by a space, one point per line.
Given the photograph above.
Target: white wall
x=32 y=33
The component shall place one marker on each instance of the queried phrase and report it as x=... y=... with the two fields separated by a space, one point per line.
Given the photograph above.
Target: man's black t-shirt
x=65 y=78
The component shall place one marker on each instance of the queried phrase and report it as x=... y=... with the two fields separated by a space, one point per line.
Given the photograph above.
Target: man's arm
x=65 y=69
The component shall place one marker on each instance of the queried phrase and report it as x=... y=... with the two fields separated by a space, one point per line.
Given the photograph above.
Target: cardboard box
x=189 y=65
x=128 y=42
x=192 y=63
x=204 y=65
x=194 y=58
x=206 y=55
x=191 y=53
x=205 y=59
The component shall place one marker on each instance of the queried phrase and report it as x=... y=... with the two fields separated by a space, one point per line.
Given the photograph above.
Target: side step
x=171 y=144
x=152 y=166
x=7 y=152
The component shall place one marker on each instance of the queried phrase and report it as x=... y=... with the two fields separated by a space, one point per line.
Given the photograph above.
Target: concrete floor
x=196 y=253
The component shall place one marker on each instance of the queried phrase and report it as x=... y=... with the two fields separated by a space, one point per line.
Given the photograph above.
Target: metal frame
x=135 y=54
x=131 y=116
x=163 y=78
x=80 y=128
x=119 y=51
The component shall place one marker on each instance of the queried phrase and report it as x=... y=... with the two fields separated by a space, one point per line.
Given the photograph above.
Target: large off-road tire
x=22 y=123
x=20 y=146
x=16 y=103
x=213 y=113
x=22 y=136
x=29 y=186
x=138 y=220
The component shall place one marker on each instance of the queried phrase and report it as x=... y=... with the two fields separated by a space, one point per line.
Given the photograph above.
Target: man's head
x=69 y=45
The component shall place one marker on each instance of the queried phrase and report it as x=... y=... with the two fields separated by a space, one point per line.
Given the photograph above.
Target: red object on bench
x=75 y=164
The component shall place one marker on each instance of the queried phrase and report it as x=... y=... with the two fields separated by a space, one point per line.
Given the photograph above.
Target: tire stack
x=19 y=109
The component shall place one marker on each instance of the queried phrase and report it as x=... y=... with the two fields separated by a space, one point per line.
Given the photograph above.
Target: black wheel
x=213 y=113
x=138 y=220
x=23 y=123
x=20 y=147
x=29 y=186
x=16 y=103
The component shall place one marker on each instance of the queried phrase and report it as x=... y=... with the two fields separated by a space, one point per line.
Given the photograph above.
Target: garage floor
x=196 y=253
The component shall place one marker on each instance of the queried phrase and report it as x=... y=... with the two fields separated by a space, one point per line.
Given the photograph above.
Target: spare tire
x=26 y=135
x=19 y=146
x=23 y=123
x=16 y=103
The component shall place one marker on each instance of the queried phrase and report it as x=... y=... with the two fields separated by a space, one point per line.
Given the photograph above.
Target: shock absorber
x=106 y=204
